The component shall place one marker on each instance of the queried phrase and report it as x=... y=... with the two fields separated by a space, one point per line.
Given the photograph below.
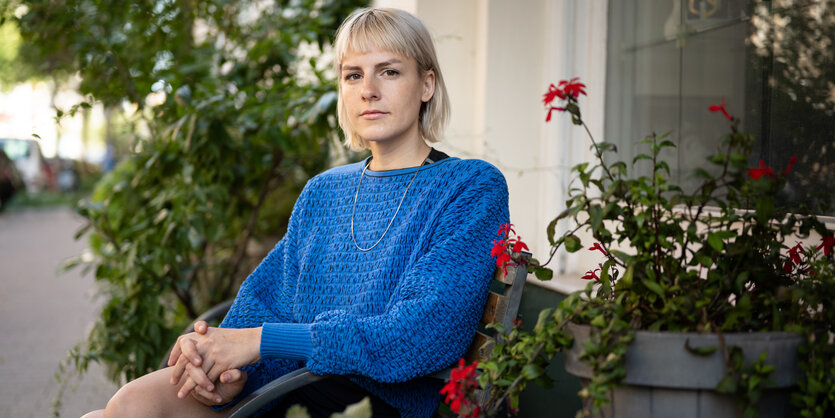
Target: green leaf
x=626 y=258
x=727 y=385
x=532 y=371
x=573 y=244
x=552 y=227
x=596 y=217
x=715 y=241
x=542 y=320
x=699 y=351
x=653 y=286
x=543 y=273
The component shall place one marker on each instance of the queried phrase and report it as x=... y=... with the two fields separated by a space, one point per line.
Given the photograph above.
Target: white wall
x=498 y=58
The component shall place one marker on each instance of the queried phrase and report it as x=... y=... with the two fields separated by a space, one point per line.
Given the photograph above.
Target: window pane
x=773 y=63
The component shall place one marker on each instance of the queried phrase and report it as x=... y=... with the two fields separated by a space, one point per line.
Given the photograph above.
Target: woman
x=383 y=272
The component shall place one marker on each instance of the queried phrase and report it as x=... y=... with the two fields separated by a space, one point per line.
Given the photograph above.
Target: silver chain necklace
x=356 y=196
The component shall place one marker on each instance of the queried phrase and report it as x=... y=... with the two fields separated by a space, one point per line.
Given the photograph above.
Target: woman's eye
x=390 y=73
x=352 y=77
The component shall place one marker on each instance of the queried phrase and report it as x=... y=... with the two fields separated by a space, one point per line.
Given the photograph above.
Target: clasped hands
x=208 y=361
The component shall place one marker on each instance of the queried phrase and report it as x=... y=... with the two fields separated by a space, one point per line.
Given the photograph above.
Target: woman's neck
x=393 y=156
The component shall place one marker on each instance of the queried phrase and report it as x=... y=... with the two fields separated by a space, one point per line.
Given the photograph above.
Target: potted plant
x=723 y=276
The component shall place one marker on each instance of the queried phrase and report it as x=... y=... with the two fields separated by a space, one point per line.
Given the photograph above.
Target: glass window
x=773 y=62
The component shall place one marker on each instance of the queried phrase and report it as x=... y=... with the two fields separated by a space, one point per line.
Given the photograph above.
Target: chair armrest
x=272 y=391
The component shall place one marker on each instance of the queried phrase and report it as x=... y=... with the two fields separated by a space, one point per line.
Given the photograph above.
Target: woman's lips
x=372 y=114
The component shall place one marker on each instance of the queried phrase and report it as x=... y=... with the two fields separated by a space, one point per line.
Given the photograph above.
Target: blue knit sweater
x=385 y=317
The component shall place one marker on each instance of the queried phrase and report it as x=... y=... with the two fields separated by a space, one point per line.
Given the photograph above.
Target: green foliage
x=236 y=101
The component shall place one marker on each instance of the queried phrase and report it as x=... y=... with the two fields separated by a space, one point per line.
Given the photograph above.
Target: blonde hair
x=402 y=33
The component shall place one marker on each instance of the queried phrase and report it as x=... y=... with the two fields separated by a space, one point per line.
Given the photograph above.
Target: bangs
x=370 y=31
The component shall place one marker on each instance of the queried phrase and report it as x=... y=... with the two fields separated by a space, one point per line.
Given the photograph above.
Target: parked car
x=27 y=156
x=10 y=180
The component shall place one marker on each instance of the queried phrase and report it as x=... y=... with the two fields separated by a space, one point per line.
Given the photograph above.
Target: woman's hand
x=208 y=352
x=229 y=385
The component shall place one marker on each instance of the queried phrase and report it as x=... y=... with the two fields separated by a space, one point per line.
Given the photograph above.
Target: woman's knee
x=135 y=399
x=153 y=395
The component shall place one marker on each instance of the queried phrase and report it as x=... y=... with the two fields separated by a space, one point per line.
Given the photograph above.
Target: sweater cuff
x=286 y=340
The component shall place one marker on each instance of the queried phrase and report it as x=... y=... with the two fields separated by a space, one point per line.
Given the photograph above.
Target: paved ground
x=42 y=315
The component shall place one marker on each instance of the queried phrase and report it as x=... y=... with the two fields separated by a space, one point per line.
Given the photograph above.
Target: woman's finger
x=216 y=371
x=208 y=397
x=190 y=351
x=232 y=376
x=178 y=368
x=201 y=327
x=175 y=352
x=187 y=387
x=199 y=377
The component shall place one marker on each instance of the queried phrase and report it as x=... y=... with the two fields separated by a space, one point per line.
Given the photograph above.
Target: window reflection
x=772 y=61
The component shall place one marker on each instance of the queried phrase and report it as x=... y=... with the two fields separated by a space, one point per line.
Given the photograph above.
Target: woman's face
x=382 y=93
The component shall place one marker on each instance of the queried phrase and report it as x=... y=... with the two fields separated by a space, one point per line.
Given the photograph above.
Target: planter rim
x=660 y=359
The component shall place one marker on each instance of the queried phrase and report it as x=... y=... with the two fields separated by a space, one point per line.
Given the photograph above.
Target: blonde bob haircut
x=402 y=33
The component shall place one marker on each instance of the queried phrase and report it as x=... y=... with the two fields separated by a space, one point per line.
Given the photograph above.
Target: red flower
x=519 y=246
x=721 y=108
x=566 y=89
x=788 y=169
x=573 y=88
x=552 y=93
x=826 y=244
x=462 y=382
x=498 y=248
x=505 y=230
x=757 y=173
x=788 y=267
x=591 y=274
x=502 y=260
x=794 y=254
x=559 y=109
x=597 y=246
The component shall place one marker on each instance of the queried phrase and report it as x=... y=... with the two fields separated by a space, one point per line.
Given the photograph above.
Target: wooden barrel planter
x=664 y=379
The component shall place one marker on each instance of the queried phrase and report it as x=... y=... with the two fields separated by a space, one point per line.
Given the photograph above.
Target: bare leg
x=153 y=395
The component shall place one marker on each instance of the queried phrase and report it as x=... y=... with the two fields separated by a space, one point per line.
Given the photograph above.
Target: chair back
x=502 y=307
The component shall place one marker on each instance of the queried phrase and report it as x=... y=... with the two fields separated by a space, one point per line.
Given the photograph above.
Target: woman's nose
x=370 y=91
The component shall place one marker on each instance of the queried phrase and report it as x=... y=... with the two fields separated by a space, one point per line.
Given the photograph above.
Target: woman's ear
x=428 y=86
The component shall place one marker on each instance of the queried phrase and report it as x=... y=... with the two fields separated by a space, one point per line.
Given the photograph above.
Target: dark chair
x=502 y=306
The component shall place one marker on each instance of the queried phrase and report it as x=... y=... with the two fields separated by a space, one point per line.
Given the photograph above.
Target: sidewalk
x=43 y=315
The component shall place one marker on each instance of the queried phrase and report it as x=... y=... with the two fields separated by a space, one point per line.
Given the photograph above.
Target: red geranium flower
x=794 y=254
x=552 y=93
x=721 y=108
x=462 y=382
x=519 y=246
x=573 y=88
x=757 y=173
x=566 y=89
x=827 y=244
x=502 y=260
x=591 y=274
x=498 y=248
x=505 y=230
x=788 y=169
x=597 y=246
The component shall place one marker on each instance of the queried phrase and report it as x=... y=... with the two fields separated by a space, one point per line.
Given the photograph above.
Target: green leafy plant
x=723 y=257
x=230 y=109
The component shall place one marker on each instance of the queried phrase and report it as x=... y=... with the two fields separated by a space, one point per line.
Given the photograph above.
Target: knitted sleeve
x=435 y=309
